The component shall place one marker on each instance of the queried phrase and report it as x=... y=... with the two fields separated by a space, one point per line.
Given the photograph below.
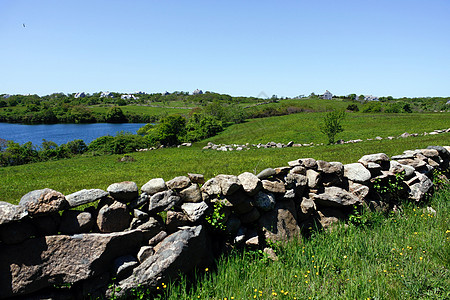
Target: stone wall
x=72 y=246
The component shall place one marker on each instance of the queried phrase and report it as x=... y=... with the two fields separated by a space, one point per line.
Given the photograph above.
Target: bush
x=332 y=124
x=201 y=126
x=353 y=107
x=169 y=132
x=119 y=144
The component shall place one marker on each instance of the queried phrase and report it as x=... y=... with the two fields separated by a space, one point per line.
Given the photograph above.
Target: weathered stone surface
x=266 y=173
x=359 y=190
x=163 y=201
x=251 y=238
x=229 y=184
x=409 y=171
x=144 y=253
x=282 y=171
x=140 y=201
x=264 y=201
x=191 y=194
x=250 y=183
x=10 y=212
x=140 y=215
x=330 y=167
x=157 y=238
x=274 y=186
x=151 y=228
x=154 y=186
x=336 y=197
x=296 y=182
x=251 y=216
x=43 y=202
x=329 y=216
x=379 y=158
x=416 y=163
x=194 y=211
x=85 y=196
x=179 y=252
x=270 y=254
x=197 y=178
x=430 y=153
x=307 y=207
x=175 y=220
x=395 y=167
x=298 y=170
x=210 y=189
x=125 y=191
x=309 y=163
x=61 y=258
x=179 y=183
x=313 y=178
x=17 y=232
x=123 y=265
x=443 y=151
x=419 y=187
x=74 y=221
x=114 y=217
x=357 y=172
x=280 y=224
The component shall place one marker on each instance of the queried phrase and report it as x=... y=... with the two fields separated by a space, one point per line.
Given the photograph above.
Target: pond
x=63 y=133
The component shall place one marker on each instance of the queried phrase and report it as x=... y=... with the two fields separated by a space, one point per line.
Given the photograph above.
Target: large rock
x=191 y=194
x=313 y=178
x=378 y=158
x=194 y=211
x=280 y=224
x=250 y=183
x=10 y=212
x=85 y=196
x=43 y=202
x=42 y=262
x=274 y=186
x=74 y=221
x=125 y=191
x=299 y=182
x=154 y=186
x=356 y=172
x=443 y=152
x=178 y=253
x=330 y=167
x=335 y=196
x=210 y=189
x=196 y=178
x=266 y=173
x=163 y=201
x=175 y=220
x=419 y=186
x=241 y=202
x=359 y=190
x=179 y=183
x=114 y=217
x=264 y=201
x=229 y=184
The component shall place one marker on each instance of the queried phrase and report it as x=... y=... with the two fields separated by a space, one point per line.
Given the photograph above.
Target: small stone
x=180 y=182
x=144 y=253
x=251 y=183
x=229 y=184
x=194 y=211
x=274 y=186
x=43 y=202
x=357 y=172
x=157 y=238
x=10 y=212
x=125 y=191
x=266 y=173
x=163 y=201
x=74 y=221
x=191 y=194
x=313 y=178
x=154 y=186
x=113 y=218
x=124 y=265
x=264 y=201
x=85 y=196
x=197 y=178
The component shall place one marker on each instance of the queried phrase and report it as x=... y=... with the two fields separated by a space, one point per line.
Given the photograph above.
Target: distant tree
x=116 y=115
x=169 y=132
x=353 y=107
x=331 y=125
x=352 y=97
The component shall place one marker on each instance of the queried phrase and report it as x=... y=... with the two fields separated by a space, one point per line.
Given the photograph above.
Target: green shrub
x=332 y=125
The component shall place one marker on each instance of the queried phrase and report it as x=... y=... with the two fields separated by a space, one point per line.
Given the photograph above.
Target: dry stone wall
x=51 y=248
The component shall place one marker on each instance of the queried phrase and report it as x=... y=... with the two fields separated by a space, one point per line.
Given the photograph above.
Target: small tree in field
x=332 y=124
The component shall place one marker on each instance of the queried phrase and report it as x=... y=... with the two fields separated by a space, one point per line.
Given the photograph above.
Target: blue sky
x=287 y=48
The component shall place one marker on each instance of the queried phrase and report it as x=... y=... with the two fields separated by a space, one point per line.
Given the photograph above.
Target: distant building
x=166 y=93
x=197 y=92
x=140 y=93
x=327 y=95
x=448 y=102
x=79 y=95
x=106 y=95
x=129 y=97
x=6 y=96
x=370 y=98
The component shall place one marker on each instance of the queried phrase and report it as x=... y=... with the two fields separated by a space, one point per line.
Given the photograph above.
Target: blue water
x=63 y=133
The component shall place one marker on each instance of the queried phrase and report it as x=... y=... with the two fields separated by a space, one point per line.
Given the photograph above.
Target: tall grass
x=403 y=256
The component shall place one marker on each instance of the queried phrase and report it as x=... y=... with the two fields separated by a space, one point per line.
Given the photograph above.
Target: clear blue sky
x=287 y=48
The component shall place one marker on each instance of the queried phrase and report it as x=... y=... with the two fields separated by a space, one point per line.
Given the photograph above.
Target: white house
x=106 y=95
x=370 y=98
x=129 y=97
x=327 y=95
x=197 y=92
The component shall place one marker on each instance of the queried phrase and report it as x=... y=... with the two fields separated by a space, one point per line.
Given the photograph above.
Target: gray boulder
x=280 y=224
x=125 y=191
x=154 y=186
x=356 y=172
x=379 y=158
x=175 y=220
x=210 y=189
x=274 y=186
x=10 y=212
x=266 y=173
x=229 y=184
x=123 y=265
x=114 y=217
x=336 y=197
x=74 y=221
x=419 y=186
x=194 y=211
x=179 y=183
x=250 y=183
x=313 y=178
x=197 y=178
x=144 y=253
x=264 y=201
x=359 y=190
x=61 y=258
x=178 y=253
x=163 y=201
x=151 y=228
x=43 y=202
x=191 y=194
x=85 y=196
x=443 y=152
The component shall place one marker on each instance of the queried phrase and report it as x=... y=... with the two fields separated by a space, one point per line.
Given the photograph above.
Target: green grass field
x=141 y=109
